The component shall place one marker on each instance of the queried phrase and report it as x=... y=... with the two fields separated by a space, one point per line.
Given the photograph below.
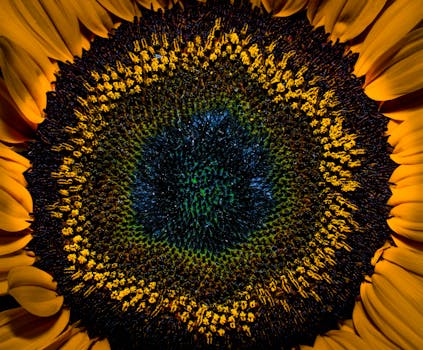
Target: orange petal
x=16 y=190
x=25 y=80
x=355 y=17
x=406 y=228
x=38 y=301
x=91 y=15
x=7 y=262
x=65 y=23
x=402 y=77
x=33 y=18
x=291 y=7
x=382 y=315
x=13 y=216
x=392 y=26
x=409 y=259
x=407 y=194
x=155 y=5
x=14 y=27
x=412 y=43
x=407 y=175
x=9 y=154
x=14 y=127
x=11 y=243
x=30 y=276
x=4 y=286
x=406 y=114
x=21 y=330
x=125 y=9
x=371 y=335
x=15 y=170
x=405 y=128
x=327 y=13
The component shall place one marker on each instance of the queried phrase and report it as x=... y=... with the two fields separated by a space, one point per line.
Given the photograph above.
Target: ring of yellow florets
x=340 y=156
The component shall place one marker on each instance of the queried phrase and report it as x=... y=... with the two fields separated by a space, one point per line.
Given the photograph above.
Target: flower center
x=201 y=184
x=212 y=179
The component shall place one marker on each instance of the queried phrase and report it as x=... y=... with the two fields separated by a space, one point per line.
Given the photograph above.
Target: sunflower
x=211 y=174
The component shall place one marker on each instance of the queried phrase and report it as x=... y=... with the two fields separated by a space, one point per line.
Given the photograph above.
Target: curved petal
x=402 y=77
x=411 y=44
x=125 y=9
x=91 y=14
x=12 y=243
x=382 y=314
x=407 y=228
x=156 y=5
x=407 y=175
x=409 y=259
x=413 y=193
x=21 y=330
x=25 y=80
x=405 y=129
x=66 y=24
x=38 y=301
x=327 y=13
x=355 y=17
x=33 y=18
x=338 y=339
x=17 y=30
x=30 y=276
x=368 y=331
x=394 y=23
x=405 y=113
x=21 y=258
x=8 y=154
x=13 y=216
x=284 y=8
x=16 y=190
x=14 y=127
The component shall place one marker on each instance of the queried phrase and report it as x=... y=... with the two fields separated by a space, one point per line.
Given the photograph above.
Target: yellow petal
x=25 y=80
x=312 y=7
x=101 y=345
x=405 y=113
x=406 y=194
x=80 y=341
x=288 y=7
x=16 y=190
x=156 y=5
x=355 y=17
x=371 y=335
x=381 y=313
x=406 y=228
x=38 y=301
x=13 y=216
x=4 y=286
x=17 y=30
x=23 y=331
x=339 y=339
x=402 y=77
x=30 y=276
x=408 y=157
x=9 y=154
x=411 y=44
x=403 y=172
x=394 y=23
x=394 y=286
x=409 y=259
x=91 y=15
x=21 y=258
x=34 y=18
x=412 y=211
x=124 y=8
x=405 y=128
x=327 y=13
x=14 y=127
x=65 y=23
x=15 y=170
x=11 y=243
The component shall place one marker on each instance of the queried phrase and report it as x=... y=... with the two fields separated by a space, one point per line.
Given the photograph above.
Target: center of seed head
x=208 y=191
